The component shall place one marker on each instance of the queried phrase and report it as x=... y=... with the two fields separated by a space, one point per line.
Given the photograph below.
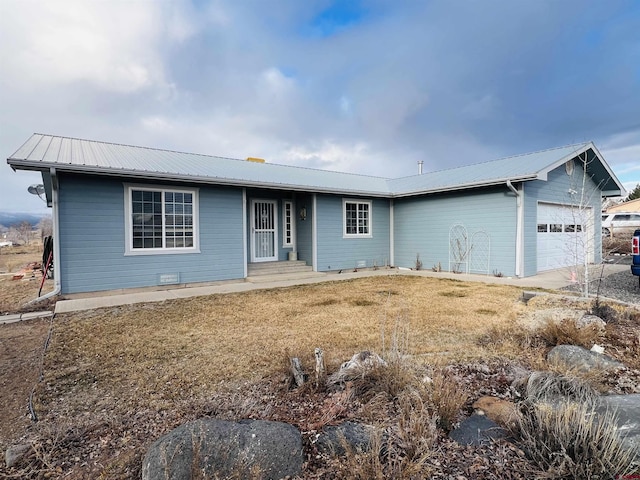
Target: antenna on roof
x=420 y=164
x=37 y=189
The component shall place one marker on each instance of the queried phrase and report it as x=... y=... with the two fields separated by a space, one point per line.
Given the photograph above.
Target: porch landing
x=276 y=271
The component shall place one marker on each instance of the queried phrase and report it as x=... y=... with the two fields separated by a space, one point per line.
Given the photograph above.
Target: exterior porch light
x=303 y=213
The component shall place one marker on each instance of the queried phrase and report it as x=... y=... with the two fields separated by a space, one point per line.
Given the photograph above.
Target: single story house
x=629 y=206
x=127 y=216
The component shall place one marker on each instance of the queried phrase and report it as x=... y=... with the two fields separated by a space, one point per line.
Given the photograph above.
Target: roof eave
x=17 y=164
x=464 y=186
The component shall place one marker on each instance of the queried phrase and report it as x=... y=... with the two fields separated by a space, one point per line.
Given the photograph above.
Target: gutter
x=57 y=287
x=519 y=227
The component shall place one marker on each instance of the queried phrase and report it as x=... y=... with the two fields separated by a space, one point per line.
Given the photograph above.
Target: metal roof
x=529 y=166
x=41 y=152
x=85 y=156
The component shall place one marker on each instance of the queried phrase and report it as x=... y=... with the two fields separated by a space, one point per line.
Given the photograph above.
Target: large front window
x=161 y=220
x=357 y=218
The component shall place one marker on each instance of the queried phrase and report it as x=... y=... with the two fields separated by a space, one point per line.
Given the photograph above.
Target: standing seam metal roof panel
x=42 y=151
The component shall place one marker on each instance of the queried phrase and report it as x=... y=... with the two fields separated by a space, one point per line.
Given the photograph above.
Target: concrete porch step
x=276 y=268
x=285 y=277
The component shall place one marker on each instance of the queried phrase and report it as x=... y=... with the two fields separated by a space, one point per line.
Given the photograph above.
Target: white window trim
x=344 y=218
x=128 y=227
x=284 y=224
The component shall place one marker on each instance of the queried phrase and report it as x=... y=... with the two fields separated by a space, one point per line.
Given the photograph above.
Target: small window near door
x=543 y=228
x=287 y=223
x=555 y=227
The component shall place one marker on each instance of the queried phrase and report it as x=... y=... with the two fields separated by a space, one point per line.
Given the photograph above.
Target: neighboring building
x=630 y=206
x=128 y=217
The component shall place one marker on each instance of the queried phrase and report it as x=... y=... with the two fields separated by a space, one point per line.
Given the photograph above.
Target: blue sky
x=370 y=87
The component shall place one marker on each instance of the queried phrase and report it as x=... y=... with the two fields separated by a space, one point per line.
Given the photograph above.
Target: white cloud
x=112 y=45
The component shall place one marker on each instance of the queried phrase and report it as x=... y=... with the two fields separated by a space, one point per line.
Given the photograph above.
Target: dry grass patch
x=186 y=347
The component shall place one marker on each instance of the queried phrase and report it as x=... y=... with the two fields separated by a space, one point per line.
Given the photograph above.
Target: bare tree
x=21 y=232
x=583 y=205
x=45 y=225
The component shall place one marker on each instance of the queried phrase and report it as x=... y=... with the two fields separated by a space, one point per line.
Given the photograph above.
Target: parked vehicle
x=635 y=251
x=623 y=223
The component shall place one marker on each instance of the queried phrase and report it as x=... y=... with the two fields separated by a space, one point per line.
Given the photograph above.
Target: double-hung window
x=356 y=218
x=160 y=220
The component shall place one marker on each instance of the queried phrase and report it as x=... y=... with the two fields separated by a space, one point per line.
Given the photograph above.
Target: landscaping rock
x=210 y=448
x=14 y=453
x=582 y=359
x=477 y=430
x=627 y=412
x=332 y=440
x=591 y=321
x=354 y=368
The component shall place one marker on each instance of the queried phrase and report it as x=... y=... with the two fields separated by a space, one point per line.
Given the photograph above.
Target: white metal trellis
x=458 y=249
x=480 y=257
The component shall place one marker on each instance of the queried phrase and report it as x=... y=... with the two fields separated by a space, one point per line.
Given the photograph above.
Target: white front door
x=264 y=231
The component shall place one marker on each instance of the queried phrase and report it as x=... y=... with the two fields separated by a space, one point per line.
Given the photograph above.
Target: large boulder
x=336 y=440
x=581 y=359
x=210 y=448
x=626 y=409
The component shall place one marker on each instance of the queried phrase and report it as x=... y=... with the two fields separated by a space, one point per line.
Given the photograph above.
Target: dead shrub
x=390 y=379
x=567 y=333
x=604 y=311
x=404 y=450
x=545 y=387
x=448 y=397
x=567 y=440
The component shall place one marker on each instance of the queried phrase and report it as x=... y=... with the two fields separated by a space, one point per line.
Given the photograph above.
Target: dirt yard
x=14 y=294
x=116 y=379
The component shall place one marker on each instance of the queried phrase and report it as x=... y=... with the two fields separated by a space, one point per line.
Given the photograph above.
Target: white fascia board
x=464 y=186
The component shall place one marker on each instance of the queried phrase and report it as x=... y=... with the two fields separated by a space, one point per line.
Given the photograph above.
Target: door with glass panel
x=264 y=231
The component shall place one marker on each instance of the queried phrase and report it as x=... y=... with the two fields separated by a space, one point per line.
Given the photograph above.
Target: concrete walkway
x=17 y=317
x=552 y=280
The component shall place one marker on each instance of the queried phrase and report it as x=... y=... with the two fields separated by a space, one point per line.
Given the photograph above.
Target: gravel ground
x=621 y=286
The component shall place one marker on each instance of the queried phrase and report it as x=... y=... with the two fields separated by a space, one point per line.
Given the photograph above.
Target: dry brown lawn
x=14 y=294
x=116 y=379
x=159 y=352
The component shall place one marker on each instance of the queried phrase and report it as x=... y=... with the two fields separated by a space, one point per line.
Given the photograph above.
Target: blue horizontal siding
x=92 y=239
x=338 y=253
x=422 y=227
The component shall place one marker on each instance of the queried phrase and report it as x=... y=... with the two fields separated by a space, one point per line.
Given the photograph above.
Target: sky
x=370 y=87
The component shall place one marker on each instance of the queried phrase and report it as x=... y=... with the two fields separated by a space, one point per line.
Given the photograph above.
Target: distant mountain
x=12 y=218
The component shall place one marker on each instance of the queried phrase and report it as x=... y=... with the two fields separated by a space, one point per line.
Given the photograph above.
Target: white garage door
x=562 y=235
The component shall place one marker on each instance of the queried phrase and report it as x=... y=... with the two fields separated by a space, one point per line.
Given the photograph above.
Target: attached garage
x=562 y=235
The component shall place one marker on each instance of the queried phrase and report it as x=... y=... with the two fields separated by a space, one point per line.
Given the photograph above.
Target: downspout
x=56 y=240
x=392 y=245
x=519 y=228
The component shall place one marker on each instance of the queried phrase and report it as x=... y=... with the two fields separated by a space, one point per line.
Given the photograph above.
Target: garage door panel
x=561 y=235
